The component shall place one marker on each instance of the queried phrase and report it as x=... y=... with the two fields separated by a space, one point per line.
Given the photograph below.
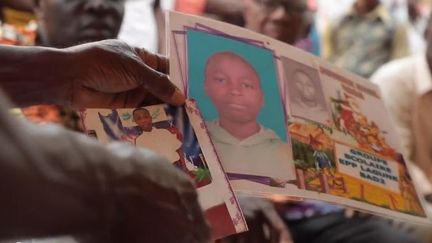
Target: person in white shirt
x=143 y=23
x=159 y=140
x=406 y=87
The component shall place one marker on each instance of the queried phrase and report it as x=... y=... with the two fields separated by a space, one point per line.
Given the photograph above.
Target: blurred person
x=416 y=27
x=139 y=27
x=406 y=87
x=268 y=17
x=63 y=23
x=229 y=11
x=365 y=38
x=144 y=24
x=263 y=16
x=67 y=183
x=271 y=18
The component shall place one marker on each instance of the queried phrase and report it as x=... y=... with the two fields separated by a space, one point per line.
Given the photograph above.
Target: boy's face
x=234 y=88
x=65 y=23
x=305 y=87
x=143 y=119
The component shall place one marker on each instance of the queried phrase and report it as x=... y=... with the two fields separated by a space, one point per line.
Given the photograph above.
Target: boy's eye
x=220 y=80
x=247 y=85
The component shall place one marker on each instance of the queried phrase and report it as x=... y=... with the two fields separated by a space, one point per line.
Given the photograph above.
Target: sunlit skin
x=234 y=88
x=143 y=119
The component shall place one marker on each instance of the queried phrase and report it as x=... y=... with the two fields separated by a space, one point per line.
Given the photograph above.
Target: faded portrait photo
x=305 y=94
x=242 y=108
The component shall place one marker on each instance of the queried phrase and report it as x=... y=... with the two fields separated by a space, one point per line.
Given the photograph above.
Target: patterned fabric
x=362 y=43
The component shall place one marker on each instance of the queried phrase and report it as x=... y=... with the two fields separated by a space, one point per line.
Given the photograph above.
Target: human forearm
x=34 y=75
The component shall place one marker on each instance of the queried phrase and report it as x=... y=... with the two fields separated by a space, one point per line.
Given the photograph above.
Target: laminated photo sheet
x=273 y=108
x=178 y=134
x=320 y=132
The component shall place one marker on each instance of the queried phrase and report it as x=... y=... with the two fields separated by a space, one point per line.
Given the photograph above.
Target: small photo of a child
x=163 y=129
x=305 y=94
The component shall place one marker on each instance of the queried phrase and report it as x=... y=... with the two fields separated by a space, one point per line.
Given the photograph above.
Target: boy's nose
x=235 y=90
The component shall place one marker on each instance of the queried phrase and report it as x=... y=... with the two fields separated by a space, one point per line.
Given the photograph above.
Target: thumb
x=159 y=85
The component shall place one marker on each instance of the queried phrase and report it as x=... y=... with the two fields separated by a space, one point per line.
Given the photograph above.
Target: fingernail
x=178 y=98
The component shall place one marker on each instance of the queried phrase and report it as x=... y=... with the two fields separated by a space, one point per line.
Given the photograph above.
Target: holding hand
x=111 y=73
x=104 y=74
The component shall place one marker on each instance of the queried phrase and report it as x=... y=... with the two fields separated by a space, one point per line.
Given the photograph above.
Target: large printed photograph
x=236 y=87
x=286 y=124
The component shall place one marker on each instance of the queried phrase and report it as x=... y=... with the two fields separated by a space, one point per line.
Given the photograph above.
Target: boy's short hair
x=140 y=109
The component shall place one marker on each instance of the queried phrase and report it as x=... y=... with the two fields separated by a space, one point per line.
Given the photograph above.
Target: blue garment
x=321 y=160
